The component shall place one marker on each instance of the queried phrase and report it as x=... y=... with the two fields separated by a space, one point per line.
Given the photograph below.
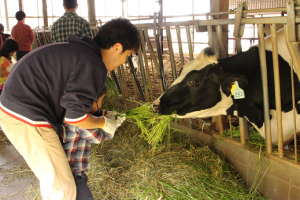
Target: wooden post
x=92 y=12
x=45 y=13
x=21 y=5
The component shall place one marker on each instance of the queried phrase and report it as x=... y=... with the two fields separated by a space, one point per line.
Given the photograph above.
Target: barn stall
x=169 y=43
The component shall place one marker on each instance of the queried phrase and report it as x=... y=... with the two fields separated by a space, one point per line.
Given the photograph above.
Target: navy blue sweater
x=55 y=82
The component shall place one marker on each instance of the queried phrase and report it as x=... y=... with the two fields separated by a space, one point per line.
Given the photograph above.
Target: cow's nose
x=155 y=108
x=156 y=105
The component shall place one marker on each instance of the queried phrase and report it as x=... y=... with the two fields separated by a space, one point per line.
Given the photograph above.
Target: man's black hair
x=1 y=27
x=121 y=31
x=9 y=46
x=20 y=15
x=70 y=3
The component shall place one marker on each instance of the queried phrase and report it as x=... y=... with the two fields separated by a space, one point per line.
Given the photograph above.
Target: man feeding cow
x=204 y=88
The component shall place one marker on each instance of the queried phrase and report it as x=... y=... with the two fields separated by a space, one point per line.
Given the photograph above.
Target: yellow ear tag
x=238 y=92
x=233 y=88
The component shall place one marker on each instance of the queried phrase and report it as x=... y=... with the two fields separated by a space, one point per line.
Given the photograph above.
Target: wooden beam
x=92 y=12
x=21 y=5
x=45 y=13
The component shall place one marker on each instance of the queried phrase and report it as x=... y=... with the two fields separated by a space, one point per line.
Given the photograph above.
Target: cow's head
x=202 y=89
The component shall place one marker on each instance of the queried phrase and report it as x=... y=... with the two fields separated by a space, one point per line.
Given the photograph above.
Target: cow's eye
x=194 y=82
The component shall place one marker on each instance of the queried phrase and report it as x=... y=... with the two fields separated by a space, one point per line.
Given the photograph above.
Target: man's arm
x=90 y=122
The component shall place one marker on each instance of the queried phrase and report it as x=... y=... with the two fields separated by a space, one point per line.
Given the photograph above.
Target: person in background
x=8 y=49
x=3 y=36
x=70 y=23
x=57 y=84
x=23 y=34
x=77 y=145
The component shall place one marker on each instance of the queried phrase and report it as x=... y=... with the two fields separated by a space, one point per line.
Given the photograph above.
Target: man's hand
x=110 y=126
x=118 y=117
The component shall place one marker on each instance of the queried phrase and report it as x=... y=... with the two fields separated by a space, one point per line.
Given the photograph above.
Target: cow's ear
x=205 y=54
x=227 y=79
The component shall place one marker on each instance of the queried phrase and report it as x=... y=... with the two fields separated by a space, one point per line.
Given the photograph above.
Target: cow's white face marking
x=219 y=109
x=199 y=63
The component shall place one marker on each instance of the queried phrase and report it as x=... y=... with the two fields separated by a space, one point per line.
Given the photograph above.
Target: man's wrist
x=104 y=122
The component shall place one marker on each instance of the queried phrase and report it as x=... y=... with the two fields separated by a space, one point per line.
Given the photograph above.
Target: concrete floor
x=14 y=187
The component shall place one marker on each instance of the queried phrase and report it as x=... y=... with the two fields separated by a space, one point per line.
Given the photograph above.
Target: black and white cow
x=203 y=89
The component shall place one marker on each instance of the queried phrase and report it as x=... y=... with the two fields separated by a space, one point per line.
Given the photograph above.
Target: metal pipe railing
x=277 y=89
x=264 y=77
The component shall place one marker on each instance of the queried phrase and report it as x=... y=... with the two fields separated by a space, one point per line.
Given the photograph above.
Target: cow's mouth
x=156 y=104
x=155 y=108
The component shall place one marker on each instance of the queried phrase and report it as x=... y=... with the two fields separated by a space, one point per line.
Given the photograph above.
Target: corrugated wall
x=259 y=4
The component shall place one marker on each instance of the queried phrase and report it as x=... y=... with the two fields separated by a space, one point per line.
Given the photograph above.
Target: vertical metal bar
x=122 y=84
x=6 y=15
x=171 y=52
x=21 y=5
x=180 y=45
x=125 y=82
x=143 y=75
x=238 y=33
x=114 y=77
x=160 y=61
x=188 y=35
x=263 y=67
x=152 y=54
x=153 y=78
x=221 y=43
x=38 y=13
x=294 y=113
x=44 y=37
x=135 y=79
x=210 y=35
x=277 y=89
x=291 y=25
x=134 y=87
x=91 y=12
x=45 y=13
x=230 y=126
x=129 y=81
x=146 y=62
x=221 y=129
x=294 y=52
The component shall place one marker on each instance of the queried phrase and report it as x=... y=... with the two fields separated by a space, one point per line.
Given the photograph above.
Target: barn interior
x=237 y=162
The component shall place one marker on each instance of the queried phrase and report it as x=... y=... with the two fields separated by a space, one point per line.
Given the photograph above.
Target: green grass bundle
x=255 y=138
x=111 y=88
x=153 y=125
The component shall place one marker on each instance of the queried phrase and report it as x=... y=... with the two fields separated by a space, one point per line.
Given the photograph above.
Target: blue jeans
x=20 y=54
x=83 y=190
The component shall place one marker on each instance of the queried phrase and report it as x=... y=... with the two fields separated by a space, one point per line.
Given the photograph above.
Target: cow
x=203 y=89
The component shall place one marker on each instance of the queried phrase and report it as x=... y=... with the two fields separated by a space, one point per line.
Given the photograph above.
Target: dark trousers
x=20 y=54
x=83 y=191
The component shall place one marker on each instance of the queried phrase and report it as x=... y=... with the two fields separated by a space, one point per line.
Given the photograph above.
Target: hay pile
x=127 y=167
